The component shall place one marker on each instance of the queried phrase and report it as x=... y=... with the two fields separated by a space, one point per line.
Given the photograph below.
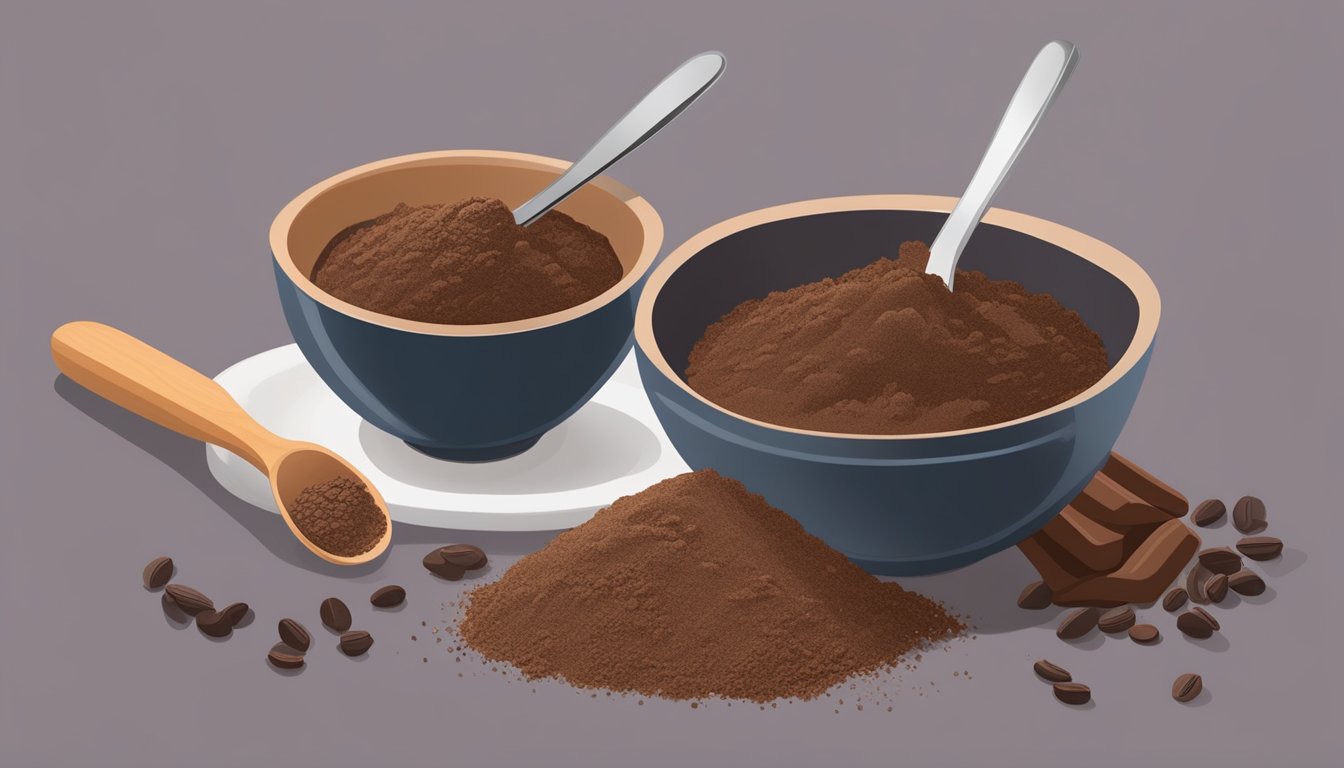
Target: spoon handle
x=145 y=381
x=1038 y=89
x=658 y=107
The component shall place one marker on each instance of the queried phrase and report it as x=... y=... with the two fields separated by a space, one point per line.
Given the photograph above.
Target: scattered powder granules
x=887 y=349
x=694 y=588
x=466 y=263
x=339 y=515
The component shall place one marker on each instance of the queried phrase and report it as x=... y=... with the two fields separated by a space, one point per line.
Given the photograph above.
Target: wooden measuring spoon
x=145 y=381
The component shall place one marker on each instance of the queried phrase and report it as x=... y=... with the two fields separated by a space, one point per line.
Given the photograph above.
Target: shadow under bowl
x=460 y=392
x=899 y=504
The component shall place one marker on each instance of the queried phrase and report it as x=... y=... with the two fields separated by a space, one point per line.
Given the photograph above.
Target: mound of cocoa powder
x=466 y=263
x=694 y=588
x=339 y=515
x=887 y=349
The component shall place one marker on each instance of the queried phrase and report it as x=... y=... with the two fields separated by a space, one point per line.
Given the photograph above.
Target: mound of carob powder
x=696 y=588
x=339 y=515
x=888 y=349
x=466 y=263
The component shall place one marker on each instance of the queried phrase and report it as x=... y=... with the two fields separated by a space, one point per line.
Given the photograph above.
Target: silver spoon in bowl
x=658 y=107
x=1037 y=91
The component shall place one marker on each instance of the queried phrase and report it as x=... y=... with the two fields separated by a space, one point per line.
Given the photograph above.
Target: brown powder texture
x=696 y=588
x=887 y=349
x=467 y=263
x=339 y=515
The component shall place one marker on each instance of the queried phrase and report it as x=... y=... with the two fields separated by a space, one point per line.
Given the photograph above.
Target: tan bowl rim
x=1085 y=247
x=648 y=218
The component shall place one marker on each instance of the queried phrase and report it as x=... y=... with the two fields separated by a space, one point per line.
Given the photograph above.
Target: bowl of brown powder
x=801 y=350
x=428 y=311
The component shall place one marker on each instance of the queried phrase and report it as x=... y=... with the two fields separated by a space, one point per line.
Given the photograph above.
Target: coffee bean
x=1208 y=512
x=213 y=623
x=295 y=635
x=356 y=643
x=1078 y=623
x=435 y=563
x=285 y=659
x=1116 y=620
x=1145 y=634
x=1052 y=672
x=1194 y=583
x=1260 y=547
x=1035 y=596
x=189 y=600
x=1247 y=583
x=1220 y=560
x=1073 y=693
x=158 y=572
x=1216 y=587
x=387 y=597
x=233 y=613
x=1208 y=617
x=1248 y=515
x=1175 y=599
x=1194 y=625
x=464 y=556
x=1187 y=687
x=334 y=614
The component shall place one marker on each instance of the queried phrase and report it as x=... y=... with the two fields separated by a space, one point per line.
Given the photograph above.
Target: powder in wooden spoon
x=340 y=516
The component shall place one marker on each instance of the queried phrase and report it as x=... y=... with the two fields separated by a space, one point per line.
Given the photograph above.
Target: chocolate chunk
x=334 y=614
x=1260 y=547
x=158 y=572
x=1035 y=596
x=1073 y=693
x=1144 y=634
x=1208 y=512
x=189 y=600
x=1145 y=574
x=1175 y=599
x=1137 y=480
x=1052 y=672
x=1220 y=560
x=1248 y=515
x=356 y=643
x=1247 y=583
x=1096 y=546
x=295 y=635
x=213 y=623
x=285 y=659
x=1078 y=624
x=1216 y=587
x=464 y=556
x=1116 y=620
x=387 y=597
x=233 y=613
x=435 y=563
x=1187 y=687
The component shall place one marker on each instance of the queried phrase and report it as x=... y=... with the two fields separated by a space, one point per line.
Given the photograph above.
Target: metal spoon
x=147 y=382
x=658 y=107
x=1043 y=81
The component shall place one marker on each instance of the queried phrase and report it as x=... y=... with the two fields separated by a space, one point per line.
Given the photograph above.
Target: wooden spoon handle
x=145 y=381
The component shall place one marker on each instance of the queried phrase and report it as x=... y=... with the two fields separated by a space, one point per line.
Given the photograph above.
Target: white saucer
x=612 y=447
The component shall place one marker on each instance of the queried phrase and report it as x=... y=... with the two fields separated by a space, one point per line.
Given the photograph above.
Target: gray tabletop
x=145 y=149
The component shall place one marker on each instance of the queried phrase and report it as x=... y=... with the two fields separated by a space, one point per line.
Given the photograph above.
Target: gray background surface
x=145 y=149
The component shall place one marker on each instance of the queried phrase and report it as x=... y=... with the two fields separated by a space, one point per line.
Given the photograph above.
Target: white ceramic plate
x=612 y=447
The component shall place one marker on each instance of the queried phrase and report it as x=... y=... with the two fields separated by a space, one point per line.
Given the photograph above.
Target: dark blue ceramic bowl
x=460 y=392
x=901 y=504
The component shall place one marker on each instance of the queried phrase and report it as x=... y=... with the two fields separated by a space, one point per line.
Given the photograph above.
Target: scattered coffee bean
x=1260 y=547
x=1116 y=620
x=1247 y=583
x=1208 y=512
x=1248 y=515
x=1145 y=634
x=389 y=596
x=356 y=643
x=1194 y=583
x=1078 y=624
x=1208 y=617
x=464 y=556
x=189 y=600
x=233 y=613
x=1052 y=672
x=1194 y=625
x=295 y=635
x=435 y=563
x=285 y=659
x=1175 y=599
x=1036 y=596
x=213 y=623
x=1216 y=587
x=1220 y=560
x=1187 y=687
x=1073 y=693
x=158 y=572
x=334 y=614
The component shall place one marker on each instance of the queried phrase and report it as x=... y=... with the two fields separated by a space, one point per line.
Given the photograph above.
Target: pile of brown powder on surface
x=695 y=588
x=339 y=515
x=887 y=349
x=467 y=263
